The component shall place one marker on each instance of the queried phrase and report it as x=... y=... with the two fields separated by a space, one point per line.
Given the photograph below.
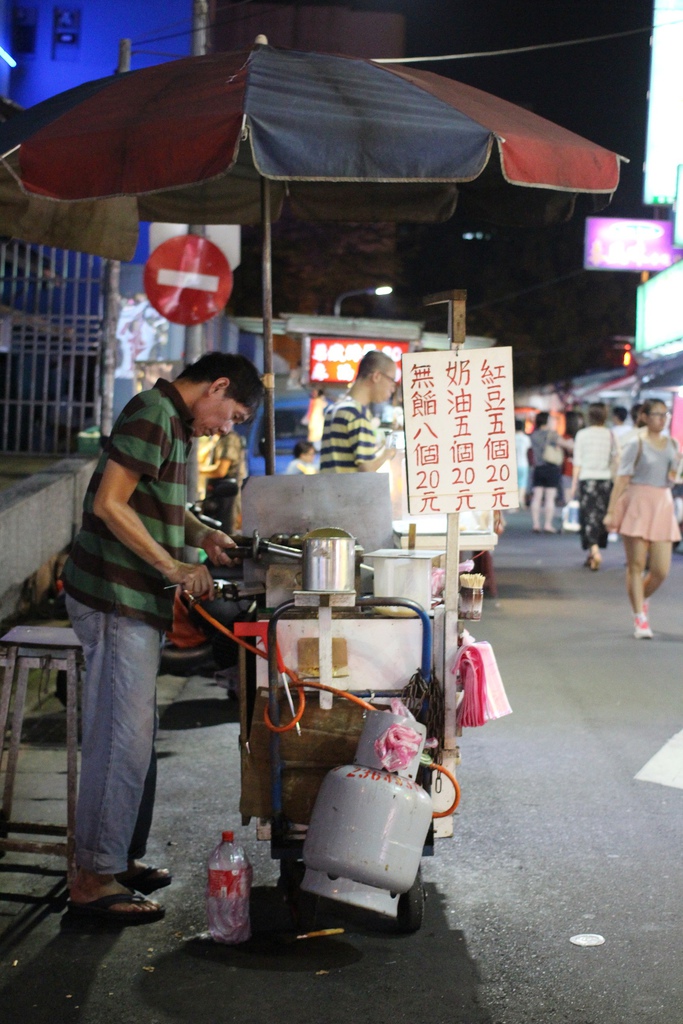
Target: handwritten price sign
x=460 y=430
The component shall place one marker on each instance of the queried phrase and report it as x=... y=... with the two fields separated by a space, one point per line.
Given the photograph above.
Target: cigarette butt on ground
x=323 y=932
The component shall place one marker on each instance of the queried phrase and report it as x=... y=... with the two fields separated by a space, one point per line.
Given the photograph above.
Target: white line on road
x=666 y=767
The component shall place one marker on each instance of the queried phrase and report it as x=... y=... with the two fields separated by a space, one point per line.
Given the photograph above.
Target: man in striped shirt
x=127 y=553
x=349 y=443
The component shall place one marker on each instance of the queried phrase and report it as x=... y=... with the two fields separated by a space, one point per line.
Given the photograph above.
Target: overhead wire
x=516 y=49
x=509 y=51
x=526 y=291
x=217 y=22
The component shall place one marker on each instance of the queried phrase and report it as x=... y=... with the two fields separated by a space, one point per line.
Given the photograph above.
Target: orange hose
x=296 y=680
x=224 y=629
x=440 y=768
x=300 y=684
x=297 y=717
x=332 y=689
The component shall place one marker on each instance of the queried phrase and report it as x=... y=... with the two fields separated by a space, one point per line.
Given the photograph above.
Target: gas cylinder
x=369 y=825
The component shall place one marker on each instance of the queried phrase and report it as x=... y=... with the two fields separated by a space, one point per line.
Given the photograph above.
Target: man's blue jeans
x=119 y=717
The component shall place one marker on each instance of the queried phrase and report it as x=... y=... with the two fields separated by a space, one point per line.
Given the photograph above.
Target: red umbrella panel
x=339 y=138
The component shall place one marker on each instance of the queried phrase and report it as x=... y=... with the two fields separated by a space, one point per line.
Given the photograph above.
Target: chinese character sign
x=460 y=430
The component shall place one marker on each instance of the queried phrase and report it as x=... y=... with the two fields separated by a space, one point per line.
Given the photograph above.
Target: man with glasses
x=120 y=581
x=349 y=443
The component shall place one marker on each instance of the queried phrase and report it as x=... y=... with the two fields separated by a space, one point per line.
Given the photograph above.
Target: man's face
x=384 y=384
x=216 y=413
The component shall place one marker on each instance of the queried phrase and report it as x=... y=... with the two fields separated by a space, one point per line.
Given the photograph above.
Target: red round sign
x=188 y=279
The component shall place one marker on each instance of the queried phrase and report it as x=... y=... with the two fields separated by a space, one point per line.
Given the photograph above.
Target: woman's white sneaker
x=641 y=627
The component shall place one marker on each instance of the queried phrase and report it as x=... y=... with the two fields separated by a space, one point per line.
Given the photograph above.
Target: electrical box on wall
x=24 y=28
x=66 y=33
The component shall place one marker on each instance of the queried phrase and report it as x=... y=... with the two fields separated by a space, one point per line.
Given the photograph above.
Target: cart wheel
x=411 y=907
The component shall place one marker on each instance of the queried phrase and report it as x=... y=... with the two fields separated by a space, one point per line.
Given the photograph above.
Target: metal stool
x=43 y=647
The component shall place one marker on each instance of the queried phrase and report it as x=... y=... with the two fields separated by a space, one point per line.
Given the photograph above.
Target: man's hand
x=372 y=465
x=216 y=544
x=194 y=578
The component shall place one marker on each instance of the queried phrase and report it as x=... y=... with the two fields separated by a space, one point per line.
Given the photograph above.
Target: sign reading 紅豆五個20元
x=460 y=430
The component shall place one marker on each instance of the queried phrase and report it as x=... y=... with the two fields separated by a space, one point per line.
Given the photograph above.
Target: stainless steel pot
x=329 y=560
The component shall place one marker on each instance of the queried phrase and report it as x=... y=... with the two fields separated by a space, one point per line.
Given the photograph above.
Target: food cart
x=368 y=648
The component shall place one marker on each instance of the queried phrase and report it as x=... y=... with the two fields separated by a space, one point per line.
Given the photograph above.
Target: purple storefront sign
x=615 y=244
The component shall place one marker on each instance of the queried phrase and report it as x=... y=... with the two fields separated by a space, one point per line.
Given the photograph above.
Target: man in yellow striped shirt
x=349 y=443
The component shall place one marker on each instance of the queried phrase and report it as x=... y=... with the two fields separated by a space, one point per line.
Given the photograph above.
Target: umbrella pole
x=112 y=303
x=267 y=289
x=456 y=304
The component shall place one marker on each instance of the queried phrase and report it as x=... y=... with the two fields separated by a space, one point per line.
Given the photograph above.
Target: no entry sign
x=188 y=279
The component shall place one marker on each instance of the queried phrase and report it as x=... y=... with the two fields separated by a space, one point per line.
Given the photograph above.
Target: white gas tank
x=369 y=826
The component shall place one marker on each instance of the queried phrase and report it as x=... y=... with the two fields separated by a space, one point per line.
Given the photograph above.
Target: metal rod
x=112 y=303
x=267 y=289
x=274 y=710
x=290 y=701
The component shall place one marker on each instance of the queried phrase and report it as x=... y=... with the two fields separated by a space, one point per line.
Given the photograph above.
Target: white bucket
x=401 y=573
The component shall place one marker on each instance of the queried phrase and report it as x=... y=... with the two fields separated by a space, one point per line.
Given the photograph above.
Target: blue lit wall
x=85 y=45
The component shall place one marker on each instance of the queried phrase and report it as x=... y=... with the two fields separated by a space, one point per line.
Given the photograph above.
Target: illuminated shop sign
x=335 y=360
x=612 y=243
x=659 y=312
x=664 y=144
x=678 y=208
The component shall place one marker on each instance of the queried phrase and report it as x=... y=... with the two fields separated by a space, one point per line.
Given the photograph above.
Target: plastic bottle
x=227 y=892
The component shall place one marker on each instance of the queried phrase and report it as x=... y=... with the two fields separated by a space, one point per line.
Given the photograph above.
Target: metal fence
x=50 y=347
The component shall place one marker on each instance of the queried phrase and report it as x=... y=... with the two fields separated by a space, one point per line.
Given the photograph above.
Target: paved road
x=555 y=837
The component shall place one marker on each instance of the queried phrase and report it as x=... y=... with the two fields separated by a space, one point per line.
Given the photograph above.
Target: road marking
x=185 y=279
x=666 y=767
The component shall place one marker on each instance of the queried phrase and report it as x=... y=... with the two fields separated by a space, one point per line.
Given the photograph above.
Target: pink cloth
x=649 y=513
x=484 y=696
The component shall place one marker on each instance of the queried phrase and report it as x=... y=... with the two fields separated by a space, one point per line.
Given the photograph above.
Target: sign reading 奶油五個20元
x=460 y=430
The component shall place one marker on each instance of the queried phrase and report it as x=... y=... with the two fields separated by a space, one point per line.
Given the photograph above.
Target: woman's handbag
x=553 y=454
x=570 y=517
x=614 y=457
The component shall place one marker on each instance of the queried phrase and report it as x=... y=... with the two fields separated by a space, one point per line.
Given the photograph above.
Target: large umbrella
x=230 y=137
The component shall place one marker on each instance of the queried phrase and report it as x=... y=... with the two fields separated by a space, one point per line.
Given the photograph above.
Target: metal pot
x=329 y=560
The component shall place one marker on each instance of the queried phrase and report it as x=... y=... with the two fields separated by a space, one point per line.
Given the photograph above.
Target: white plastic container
x=401 y=573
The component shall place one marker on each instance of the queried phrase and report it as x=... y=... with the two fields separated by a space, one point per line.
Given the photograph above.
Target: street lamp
x=384 y=289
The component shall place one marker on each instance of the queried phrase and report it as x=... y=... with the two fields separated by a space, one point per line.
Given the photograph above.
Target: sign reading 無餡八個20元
x=460 y=430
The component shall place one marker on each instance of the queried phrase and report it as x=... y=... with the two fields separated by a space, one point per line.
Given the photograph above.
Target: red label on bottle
x=229 y=884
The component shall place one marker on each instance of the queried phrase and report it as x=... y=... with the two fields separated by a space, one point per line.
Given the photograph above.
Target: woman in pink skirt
x=641 y=509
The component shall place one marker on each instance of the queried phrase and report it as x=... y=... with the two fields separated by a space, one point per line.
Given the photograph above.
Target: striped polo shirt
x=152 y=437
x=348 y=438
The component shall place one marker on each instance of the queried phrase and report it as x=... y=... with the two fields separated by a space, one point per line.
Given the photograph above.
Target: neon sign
x=335 y=360
x=612 y=243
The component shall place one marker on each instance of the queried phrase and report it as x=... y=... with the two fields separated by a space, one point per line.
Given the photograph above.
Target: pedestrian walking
x=548 y=451
x=641 y=510
x=522 y=448
x=593 y=458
